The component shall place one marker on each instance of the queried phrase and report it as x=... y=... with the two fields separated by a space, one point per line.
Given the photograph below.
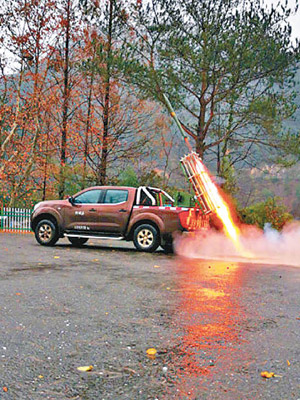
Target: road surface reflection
x=207 y=331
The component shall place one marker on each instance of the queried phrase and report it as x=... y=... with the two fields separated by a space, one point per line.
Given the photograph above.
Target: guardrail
x=16 y=220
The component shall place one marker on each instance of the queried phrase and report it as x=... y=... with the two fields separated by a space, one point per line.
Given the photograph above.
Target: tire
x=46 y=233
x=168 y=247
x=146 y=238
x=77 y=241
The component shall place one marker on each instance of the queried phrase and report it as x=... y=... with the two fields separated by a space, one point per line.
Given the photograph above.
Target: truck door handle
x=92 y=209
x=122 y=210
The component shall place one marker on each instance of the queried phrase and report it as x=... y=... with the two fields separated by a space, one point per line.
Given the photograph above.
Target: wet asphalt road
x=215 y=325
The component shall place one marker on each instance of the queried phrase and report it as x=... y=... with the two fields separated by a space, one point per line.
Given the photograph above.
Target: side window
x=114 y=196
x=90 y=197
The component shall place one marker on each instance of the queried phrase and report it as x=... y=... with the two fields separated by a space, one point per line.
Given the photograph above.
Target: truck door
x=83 y=215
x=115 y=211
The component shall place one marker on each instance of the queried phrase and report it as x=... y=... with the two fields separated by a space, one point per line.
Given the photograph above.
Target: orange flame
x=213 y=196
x=210 y=198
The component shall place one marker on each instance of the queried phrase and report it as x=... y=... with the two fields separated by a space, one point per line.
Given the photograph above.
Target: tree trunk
x=65 y=108
x=200 y=144
x=201 y=118
x=17 y=112
x=45 y=168
x=87 y=129
x=103 y=163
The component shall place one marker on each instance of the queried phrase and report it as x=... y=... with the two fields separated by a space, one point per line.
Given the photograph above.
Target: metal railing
x=16 y=220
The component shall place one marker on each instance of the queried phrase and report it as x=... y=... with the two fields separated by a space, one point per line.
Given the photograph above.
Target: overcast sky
x=294 y=20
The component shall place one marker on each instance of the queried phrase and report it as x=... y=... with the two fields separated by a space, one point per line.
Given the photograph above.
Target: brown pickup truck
x=144 y=215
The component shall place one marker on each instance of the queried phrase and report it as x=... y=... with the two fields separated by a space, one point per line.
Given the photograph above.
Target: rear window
x=114 y=196
x=145 y=200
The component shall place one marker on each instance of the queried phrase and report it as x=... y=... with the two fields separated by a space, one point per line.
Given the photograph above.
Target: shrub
x=271 y=210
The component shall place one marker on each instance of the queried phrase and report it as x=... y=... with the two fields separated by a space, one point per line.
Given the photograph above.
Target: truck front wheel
x=46 y=233
x=146 y=238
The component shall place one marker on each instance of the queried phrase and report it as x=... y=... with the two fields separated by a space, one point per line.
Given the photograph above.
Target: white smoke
x=267 y=247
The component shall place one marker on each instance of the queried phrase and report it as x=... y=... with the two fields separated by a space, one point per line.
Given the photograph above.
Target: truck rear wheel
x=77 y=241
x=146 y=238
x=46 y=233
x=168 y=247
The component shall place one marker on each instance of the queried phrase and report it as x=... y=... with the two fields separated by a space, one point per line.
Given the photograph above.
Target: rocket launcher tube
x=199 y=178
x=197 y=185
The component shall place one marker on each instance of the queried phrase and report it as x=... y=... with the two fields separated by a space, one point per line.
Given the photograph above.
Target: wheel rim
x=45 y=233
x=145 y=238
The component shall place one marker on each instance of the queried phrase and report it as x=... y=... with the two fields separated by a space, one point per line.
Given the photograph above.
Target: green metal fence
x=15 y=220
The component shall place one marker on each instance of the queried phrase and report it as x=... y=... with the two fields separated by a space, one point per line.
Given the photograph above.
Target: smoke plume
x=267 y=247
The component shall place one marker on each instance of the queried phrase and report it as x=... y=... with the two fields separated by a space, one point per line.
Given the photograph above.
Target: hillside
x=263 y=181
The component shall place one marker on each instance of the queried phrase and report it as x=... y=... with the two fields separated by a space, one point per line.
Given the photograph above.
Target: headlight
x=36 y=206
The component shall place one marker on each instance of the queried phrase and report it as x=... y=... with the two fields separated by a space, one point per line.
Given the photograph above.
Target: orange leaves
x=266 y=374
x=20 y=39
x=151 y=353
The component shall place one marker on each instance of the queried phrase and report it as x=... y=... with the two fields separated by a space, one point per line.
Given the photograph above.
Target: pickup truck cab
x=144 y=215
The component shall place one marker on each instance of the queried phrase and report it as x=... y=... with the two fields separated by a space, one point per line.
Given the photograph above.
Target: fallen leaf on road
x=95 y=259
x=156 y=266
x=85 y=369
x=151 y=351
x=56 y=256
x=41 y=376
x=5 y=389
x=288 y=363
x=266 y=374
x=18 y=294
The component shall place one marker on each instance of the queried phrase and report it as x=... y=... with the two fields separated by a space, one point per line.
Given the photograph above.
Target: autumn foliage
x=66 y=118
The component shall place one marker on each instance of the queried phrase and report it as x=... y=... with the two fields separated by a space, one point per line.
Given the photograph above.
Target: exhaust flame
x=209 y=197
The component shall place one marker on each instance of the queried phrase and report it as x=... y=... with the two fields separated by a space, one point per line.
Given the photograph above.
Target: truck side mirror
x=71 y=200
